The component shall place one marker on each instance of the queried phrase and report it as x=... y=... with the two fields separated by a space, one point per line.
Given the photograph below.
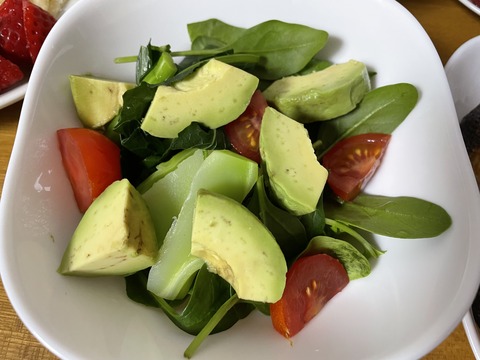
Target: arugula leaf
x=399 y=217
x=382 y=110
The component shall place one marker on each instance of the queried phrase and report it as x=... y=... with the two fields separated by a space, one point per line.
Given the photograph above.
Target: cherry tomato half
x=311 y=282
x=353 y=161
x=244 y=132
x=91 y=160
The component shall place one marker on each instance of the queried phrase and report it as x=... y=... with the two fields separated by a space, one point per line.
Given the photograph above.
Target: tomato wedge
x=353 y=161
x=311 y=282
x=91 y=160
x=244 y=132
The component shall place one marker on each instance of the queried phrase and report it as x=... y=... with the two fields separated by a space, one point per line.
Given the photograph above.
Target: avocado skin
x=115 y=236
x=321 y=95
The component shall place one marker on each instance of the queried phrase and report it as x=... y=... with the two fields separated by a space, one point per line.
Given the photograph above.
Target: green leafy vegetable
x=287 y=228
x=339 y=228
x=221 y=33
x=400 y=217
x=209 y=293
x=356 y=265
x=380 y=111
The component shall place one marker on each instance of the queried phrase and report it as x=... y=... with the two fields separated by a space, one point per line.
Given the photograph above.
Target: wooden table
x=448 y=23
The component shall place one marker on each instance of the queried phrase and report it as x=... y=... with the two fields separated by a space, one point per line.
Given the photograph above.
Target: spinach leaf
x=219 y=33
x=339 y=228
x=208 y=294
x=380 y=111
x=314 y=65
x=356 y=265
x=154 y=64
x=281 y=55
x=400 y=217
x=287 y=229
x=315 y=221
x=210 y=326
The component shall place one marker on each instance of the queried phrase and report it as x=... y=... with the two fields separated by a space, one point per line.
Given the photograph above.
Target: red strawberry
x=37 y=23
x=13 y=43
x=10 y=74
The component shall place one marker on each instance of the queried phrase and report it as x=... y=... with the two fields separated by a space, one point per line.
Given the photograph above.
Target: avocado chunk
x=236 y=245
x=294 y=173
x=115 y=236
x=222 y=171
x=97 y=100
x=321 y=95
x=214 y=95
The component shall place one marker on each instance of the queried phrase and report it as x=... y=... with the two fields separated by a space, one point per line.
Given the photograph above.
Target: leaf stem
x=202 y=335
x=125 y=59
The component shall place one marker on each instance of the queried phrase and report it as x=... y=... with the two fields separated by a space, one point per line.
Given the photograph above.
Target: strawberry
x=37 y=23
x=10 y=73
x=13 y=42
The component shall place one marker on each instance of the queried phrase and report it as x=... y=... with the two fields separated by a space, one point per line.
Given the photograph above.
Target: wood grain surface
x=448 y=23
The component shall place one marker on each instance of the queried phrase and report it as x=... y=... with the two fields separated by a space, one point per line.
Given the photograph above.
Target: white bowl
x=418 y=291
x=463 y=75
x=469 y=4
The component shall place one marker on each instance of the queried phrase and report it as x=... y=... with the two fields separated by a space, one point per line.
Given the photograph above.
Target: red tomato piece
x=91 y=160
x=244 y=132
x=311 y=282
x=352 y=162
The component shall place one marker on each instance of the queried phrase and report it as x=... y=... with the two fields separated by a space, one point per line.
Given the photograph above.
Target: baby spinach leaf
x=217 y=31
x=210 y=326
x=356 y=265
x=315 y=221
x=314 y=65
x=339 y=228
x=380 y=111
x=400 y=217
x=281 y=55
x=206 y=43
x=208 y=295
x=287 y=229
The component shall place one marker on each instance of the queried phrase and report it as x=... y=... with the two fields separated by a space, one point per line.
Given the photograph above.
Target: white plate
x=17 y=92
x=418 y=291
x=471 y=6
x=463 y=75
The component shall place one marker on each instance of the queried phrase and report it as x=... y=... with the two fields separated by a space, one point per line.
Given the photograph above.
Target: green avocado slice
x=115 y=236
x=236 y=245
